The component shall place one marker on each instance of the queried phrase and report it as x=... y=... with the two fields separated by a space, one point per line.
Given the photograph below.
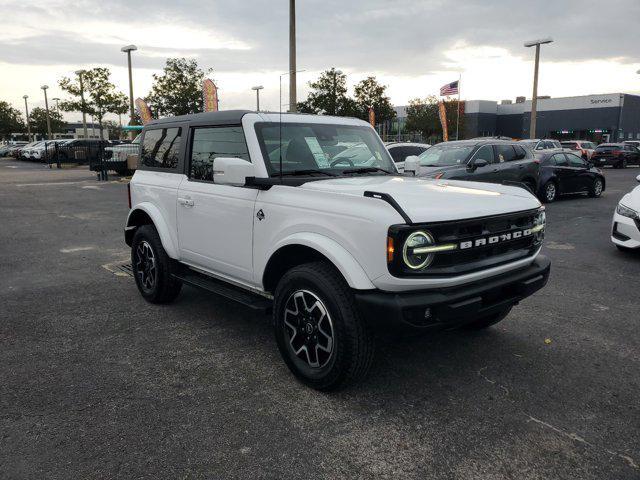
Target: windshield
x=444 y=155
x=308 y=148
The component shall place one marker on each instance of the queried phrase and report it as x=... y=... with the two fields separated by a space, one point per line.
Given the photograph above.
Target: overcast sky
x=414 y=46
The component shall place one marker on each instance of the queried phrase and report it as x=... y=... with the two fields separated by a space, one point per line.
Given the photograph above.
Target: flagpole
x=458 y=107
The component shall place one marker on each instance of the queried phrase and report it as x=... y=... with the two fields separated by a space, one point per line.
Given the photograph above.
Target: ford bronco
x=307 y=218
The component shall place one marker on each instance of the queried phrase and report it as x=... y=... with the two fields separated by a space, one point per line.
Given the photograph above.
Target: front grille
x=475 y=258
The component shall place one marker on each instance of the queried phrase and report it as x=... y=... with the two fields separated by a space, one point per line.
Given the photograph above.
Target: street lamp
x=293 y=102
x=128 y=49
x=46 y=106
x=335 y=91
x=84 y=107
x=257 y=88
x=26 y=109
x=534 y=99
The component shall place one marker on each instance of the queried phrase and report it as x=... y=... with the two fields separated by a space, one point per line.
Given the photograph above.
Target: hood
x=427 y=200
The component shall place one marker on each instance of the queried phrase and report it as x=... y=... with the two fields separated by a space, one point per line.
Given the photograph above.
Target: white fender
x=160 y=223
x=351 y=270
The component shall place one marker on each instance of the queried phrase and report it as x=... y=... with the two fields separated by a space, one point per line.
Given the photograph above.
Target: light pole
x=335 y=91
x=46 y=106
x=293 y=102
x=26 y=109
x=534 y=98
x=84 y=107
x=257 y=88
x=128 y=49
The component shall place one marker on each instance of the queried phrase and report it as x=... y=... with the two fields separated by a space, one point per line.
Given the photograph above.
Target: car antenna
x=280 y=129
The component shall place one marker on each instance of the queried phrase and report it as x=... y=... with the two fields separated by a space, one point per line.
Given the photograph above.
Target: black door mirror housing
x=479 y=163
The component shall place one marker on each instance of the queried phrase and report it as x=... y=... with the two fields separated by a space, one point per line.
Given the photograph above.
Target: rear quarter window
x=161 y=148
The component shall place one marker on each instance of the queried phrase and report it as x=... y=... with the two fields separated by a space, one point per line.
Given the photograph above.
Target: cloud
x=413 y=43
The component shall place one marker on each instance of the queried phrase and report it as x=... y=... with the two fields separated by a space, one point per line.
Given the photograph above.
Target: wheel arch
x=147 y=214
x=305 y=248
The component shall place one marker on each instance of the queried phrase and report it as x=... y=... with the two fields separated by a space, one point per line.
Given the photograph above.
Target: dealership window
x=213 y=142
x=160 y=148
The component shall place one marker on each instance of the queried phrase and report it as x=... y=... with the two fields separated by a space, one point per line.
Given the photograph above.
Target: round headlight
x=411 y=250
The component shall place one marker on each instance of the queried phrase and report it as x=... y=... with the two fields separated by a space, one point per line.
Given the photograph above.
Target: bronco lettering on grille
x=494 y=239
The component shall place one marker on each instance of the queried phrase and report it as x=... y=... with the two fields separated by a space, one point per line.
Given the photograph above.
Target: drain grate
x=119 y=269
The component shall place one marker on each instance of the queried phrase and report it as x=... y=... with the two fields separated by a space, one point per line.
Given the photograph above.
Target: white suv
x=306 y=216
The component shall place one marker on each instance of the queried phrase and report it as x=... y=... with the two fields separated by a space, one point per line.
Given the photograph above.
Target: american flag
x=449 y=89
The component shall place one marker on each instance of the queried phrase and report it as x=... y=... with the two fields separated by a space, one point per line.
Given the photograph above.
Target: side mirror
x=638 y=178
x=232 y=171
x=479 y=163
x=412 y=165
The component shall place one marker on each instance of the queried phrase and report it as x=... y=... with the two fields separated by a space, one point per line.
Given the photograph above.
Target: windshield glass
x=308 y=148
x=444 y=155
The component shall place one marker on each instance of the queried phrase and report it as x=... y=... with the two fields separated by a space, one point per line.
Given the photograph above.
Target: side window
x=506 y=153
x=540 y=145
x=161 y=148
x=560 y=160
x=485 y=153
x=414 y=151
x=522 y=153
x=210 y=143
x=575 y=161
x=398 y=154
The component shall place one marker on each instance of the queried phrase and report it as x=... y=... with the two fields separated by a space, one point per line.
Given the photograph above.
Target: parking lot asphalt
x=96 y=383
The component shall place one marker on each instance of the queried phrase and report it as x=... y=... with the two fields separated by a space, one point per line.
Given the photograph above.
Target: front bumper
x=625 y=231
x=455 y=306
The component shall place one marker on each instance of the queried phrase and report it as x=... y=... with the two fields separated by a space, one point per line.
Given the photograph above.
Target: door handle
x=186 y=202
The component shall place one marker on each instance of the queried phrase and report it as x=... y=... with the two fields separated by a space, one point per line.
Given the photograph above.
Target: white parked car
x=265 y=210
x=625 y=232
x=400 y=151
x=116 y=155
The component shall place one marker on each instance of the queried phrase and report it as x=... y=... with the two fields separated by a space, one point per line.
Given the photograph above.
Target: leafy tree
x=423 y=117
x=10 y=120
x=369 y=93
x=101 y=96
x=178 y=91
x=328 y=96
x=38 y=121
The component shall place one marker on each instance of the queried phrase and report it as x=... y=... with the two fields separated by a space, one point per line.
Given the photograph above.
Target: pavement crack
x=577 y=438
x=492 y=382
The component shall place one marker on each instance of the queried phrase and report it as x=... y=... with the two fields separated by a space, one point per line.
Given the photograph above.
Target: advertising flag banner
x=372 y=117
x=143 y=111
x=210 y=96
x=442 y=111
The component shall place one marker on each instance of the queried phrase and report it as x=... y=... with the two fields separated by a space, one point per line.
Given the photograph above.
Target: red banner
x=143 y=111
x=210 y=96
x=442 y=111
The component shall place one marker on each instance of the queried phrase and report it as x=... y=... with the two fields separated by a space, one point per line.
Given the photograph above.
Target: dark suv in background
x=618 y=155
x=482 y=160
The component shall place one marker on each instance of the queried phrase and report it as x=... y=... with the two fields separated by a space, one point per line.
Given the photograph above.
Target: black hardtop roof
x=224 y=116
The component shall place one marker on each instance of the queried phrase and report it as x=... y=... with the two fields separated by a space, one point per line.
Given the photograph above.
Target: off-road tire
x=486 y=322
x=165 y=287
x=353 y=340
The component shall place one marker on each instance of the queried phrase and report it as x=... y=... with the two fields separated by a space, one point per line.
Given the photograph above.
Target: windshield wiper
x=308 y=171
x=367 y=170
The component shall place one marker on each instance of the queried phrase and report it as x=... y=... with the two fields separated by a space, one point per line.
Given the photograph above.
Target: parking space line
x=76 y=249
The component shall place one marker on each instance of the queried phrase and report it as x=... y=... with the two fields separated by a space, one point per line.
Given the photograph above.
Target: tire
x=622 y=163
x=486 y=322
x=549 y=192
x=595 y=190
x=315 y=315
x=152 y=267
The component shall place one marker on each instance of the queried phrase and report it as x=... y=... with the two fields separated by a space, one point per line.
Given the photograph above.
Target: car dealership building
x=603 y=118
